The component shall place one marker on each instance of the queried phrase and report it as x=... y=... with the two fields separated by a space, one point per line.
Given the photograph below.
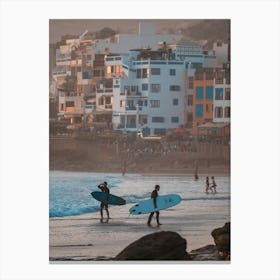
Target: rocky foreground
x=168 y=245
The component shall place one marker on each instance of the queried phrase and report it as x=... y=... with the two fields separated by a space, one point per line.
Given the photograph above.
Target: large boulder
x=164 y=245
x=222 y=240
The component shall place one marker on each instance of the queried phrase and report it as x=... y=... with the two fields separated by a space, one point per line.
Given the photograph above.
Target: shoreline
x=217 y=170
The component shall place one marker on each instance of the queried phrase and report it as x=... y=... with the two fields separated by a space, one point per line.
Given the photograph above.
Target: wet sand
x=84 y=237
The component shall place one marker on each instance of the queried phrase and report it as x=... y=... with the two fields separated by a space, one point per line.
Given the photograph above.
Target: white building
x=193 y=55
x=221 y=52
x=221 y=102
x=150 y=95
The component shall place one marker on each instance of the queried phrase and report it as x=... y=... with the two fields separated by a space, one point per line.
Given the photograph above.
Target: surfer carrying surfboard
x=104 y=204
x=154 y=195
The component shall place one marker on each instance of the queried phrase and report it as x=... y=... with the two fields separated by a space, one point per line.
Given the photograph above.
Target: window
x=154 y=103
x=157 y=119
x=130 y=103
x=190 y=82
x=155 y=71
x=142 y=73
x=209 y=92
x=174 y=88
x=133 y=88
x=199 y=92
x=172 y=72
x=175 y=101
x=190 y=100
x=227 y=94
x=70 y=104
x=219 y=94
x=126 y=90
x=227 y=112
x=139 y=73
x=199 y=110
x=155 y=87
x=218 y=112
x=145 y=86
x=174 y=119
x=61 y=107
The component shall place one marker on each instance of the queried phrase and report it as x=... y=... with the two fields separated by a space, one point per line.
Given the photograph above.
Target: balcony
x=104 y=91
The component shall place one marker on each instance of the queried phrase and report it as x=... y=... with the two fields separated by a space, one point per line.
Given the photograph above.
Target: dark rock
x=206 y=253
x=208 y=249
x=164 y=245
x=222 y=240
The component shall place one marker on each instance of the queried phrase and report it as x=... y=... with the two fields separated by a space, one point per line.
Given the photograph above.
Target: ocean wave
x=63 y=212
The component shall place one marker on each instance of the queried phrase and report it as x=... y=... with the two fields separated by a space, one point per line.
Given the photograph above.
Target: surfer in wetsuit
x=154 y=195
x=103 y=187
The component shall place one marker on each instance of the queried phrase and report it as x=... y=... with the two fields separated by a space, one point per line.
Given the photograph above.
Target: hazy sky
x=59 y=27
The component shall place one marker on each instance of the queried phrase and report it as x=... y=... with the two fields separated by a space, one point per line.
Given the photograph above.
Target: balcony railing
x=108 y=106
x=107 y=90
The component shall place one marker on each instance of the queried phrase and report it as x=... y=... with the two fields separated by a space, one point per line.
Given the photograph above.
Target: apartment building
x=211 y=102
x=150 y=94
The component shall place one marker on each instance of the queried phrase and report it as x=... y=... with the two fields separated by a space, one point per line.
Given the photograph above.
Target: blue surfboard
x=163 y=202
x=113 y=199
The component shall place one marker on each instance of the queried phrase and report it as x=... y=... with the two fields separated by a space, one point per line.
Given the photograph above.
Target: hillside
x=209 y=31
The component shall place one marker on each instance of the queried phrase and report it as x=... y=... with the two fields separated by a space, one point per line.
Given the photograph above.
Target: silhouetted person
x=213 y=185
x=207 y=185
x=104 y=204
x=154 y=195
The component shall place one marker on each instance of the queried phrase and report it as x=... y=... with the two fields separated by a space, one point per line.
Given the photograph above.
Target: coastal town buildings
x=143 y=82
x=211 y=102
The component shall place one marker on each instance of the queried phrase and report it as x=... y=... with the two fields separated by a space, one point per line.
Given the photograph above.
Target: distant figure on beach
x=104 y=188
x=207 y=184
x=213 y=185
x=154 y=195
x=196 y=172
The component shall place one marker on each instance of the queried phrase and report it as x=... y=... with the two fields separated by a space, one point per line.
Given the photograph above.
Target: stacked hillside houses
x=146 y=82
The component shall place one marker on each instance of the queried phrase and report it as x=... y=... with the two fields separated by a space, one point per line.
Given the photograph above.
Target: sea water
x=69 y=192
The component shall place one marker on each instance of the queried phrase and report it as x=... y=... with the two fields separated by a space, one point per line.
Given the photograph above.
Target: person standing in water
x=213 y=186
x=154 y=195
x=104 y=188
x=207 y=184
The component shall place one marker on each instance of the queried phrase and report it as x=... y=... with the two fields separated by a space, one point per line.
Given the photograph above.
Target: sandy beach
x=84 y=237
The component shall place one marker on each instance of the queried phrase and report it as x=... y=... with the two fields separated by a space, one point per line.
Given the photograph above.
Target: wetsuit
x=154 y=195
x=105 y=189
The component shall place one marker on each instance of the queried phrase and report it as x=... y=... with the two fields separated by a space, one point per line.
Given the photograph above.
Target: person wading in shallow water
x=213 y=186
x=104 y=188
x=207 y=185
x=154 y=195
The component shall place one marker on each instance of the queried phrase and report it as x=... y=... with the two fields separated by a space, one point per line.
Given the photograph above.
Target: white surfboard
x=163 y=202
